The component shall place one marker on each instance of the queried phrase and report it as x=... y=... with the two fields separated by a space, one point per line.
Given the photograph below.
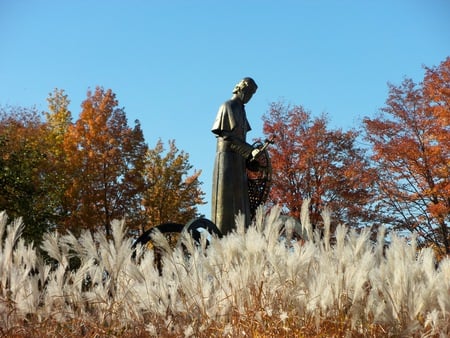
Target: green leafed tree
x=24 y=170
x=172 y=192
x=105 y=160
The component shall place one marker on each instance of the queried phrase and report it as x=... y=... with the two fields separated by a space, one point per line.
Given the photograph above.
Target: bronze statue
x=230 y=186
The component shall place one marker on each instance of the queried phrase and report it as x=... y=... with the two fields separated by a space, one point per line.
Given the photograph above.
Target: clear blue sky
x=172 y=63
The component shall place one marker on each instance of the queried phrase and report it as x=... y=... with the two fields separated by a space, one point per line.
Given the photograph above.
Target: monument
x=230 y=194
x=241 y=178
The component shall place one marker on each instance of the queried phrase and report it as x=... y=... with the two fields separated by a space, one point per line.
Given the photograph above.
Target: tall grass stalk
x=253 y=282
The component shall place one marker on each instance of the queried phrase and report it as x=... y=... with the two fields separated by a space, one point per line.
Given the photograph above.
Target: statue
x=230 y=186
x=241 y=181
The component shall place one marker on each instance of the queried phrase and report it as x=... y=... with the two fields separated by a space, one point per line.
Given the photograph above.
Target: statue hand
x=255 y=153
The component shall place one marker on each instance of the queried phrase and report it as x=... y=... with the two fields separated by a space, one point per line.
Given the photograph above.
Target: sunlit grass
x=251 y=283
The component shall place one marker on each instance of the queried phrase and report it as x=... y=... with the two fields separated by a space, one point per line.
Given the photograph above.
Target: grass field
x=251 y=283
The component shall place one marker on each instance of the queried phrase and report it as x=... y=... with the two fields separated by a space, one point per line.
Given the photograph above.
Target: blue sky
x=172 y=63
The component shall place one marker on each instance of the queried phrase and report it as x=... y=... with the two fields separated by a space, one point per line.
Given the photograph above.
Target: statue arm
x=223 y=127
x=237 y=145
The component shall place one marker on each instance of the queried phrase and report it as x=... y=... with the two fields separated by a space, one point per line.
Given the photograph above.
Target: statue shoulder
x=225 y=118
x=231 y=105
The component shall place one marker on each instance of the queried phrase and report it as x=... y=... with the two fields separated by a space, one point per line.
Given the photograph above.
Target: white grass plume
x=248 y=273
x=305 y=221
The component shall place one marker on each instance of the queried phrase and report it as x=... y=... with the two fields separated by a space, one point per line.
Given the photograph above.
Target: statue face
x=245 y=89
x=247 y=93
x=247 y=96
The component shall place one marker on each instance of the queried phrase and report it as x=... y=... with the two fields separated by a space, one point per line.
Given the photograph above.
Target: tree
x=59 y=117
x=171 y=195
x=106 y=158
x=312 y=162
x=58 y=120
x=411 y=145
x=24 y=169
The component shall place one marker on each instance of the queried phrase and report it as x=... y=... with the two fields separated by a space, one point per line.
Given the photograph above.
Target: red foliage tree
x=310 y=161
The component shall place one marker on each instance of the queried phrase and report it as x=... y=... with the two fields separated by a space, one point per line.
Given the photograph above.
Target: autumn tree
x=411 y=146
x=106 y=158
x=310 y=161
x=172 y=192
x=24 y=169
x=58 y=117
x=58 y=120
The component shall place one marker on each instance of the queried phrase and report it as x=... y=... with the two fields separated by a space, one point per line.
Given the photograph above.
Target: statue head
x=245 y=89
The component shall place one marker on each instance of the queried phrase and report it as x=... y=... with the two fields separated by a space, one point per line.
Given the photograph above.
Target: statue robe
x=230 y=189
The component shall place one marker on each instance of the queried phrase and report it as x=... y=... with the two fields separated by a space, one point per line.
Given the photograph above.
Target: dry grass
x=251 y=325
x=251 y=283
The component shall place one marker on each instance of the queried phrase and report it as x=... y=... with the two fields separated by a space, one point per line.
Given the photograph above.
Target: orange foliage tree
x=411 y=147
x=105 y=160
x=172 y=192
x=310 y=161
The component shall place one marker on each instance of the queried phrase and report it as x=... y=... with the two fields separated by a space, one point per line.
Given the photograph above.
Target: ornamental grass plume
x=256 y=281
x=19 y=287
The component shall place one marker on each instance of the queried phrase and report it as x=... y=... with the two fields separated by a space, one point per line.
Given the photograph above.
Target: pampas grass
x=255 y=282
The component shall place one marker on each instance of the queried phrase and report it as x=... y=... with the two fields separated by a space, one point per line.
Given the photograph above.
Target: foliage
x=105 y=159
x=58 y=121
x=411 y=147
x=25 y=187
x=249 y=283
x=84 y=174
x=59 y=117
x=310 y=161
x=171 y=194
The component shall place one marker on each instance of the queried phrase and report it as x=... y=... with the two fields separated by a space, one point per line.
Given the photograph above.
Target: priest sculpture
x=230 y=191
